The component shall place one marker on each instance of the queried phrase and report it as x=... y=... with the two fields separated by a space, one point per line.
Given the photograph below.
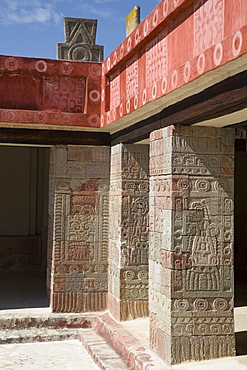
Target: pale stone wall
x=78 y=234
x=191 y=243
x=128 y=245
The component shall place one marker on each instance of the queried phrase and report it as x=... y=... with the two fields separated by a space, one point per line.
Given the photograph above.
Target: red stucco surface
x=177 y=43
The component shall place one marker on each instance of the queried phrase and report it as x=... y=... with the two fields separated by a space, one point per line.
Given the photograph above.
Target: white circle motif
x=187 y=72
x=201 y=63
x=164 y=85
x=41 y=66
x=94 y=95
x=95 y=70
x=155 y=17
x=144 y=97
x=136 y=101
x=218 y=53
x=11 y=64
x=154 y=91
x=94 y=120
x=165 y=8
x=66 y=68
x=174 y=79
x=237 y=43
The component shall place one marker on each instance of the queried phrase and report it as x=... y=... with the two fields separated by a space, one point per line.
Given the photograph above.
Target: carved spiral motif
x=95 y=70
x=201 y=304
x=202 y=185
x=129 y=275
x=99 y=268
x=66 y=118
x=220 y=304
x=41 y=117
x=183 y=184
x=66 y=68
x=94 y=120
x=182 y=304
x=203 y=329
x=143 y=275
x=11 y=64
x=215 y=328
x=10 y=116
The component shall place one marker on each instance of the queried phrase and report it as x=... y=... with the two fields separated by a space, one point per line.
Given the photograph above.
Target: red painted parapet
x=49 y=92
x=177 y=43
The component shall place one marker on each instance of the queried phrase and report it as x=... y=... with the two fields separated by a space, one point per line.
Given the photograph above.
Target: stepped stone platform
x=110 y=344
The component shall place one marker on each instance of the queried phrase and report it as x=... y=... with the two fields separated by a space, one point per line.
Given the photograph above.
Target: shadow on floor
x=22 y=290
x=241 y=343
x=240 y=296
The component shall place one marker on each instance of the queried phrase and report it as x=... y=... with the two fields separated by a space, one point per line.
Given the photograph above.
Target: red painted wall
x=49 y=92
x=177 y=43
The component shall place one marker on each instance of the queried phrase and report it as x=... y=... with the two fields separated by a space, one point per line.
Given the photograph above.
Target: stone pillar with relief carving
x=191 y=243
x=128 y=244
x=78 y=228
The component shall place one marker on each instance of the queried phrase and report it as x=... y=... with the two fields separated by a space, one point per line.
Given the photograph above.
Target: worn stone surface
x=80 y=35
x=191 y=243
x=78 y=235
x=128 y=249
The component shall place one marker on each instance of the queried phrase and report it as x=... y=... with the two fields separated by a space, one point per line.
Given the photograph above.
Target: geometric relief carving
x=132 y=77
x=156 y=58
x=78 y=251
x=203 y=279
x=83 y=204
x=64 y=94
x=81 y=228
x=136 y=255
x=208 y=23
x=134 y=284
x=198 y=348
x=203 y=242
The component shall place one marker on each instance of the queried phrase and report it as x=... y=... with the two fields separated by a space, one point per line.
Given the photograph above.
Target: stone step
x=32 y=335
x=50 y=320
x=127 y=346
x=101 y=352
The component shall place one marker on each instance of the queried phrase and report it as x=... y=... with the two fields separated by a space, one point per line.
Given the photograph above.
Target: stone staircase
x=108 y=343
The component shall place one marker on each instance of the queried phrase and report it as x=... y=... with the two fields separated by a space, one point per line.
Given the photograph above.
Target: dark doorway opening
x=24 y=174
x=240 y=247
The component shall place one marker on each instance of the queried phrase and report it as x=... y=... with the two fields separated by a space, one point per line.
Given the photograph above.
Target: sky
x=31 y=28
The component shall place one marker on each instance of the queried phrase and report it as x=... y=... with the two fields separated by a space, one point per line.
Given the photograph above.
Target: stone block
x=80 y=41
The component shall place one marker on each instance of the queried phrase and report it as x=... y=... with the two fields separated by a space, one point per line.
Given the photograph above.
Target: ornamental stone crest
x=79 y=45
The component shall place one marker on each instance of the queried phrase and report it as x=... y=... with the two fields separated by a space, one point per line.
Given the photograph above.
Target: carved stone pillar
x=78 y=228
x=191 y=243
x=128 y=245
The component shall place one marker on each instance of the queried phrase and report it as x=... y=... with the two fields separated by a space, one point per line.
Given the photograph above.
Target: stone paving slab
x=66 y=355
x=230 y=363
